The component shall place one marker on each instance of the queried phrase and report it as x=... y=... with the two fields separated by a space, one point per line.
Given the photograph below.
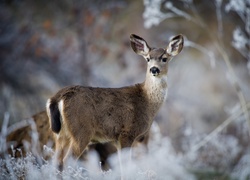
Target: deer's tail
x=54 y=115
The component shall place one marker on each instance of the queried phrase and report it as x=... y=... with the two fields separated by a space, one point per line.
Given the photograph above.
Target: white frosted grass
x=239 y=6
x=153 y=15
x=161 y=162
x=240 y=41
x=240 y=38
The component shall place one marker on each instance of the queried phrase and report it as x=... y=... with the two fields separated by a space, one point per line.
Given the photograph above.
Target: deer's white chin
x=155 y=74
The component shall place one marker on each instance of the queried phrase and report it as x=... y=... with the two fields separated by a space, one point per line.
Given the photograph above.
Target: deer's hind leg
x=78 y=144
x=61 y=149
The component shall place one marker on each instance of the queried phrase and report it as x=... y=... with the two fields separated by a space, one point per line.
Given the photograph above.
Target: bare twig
x=18 y=125
x=235 y=83
x=202 y=49
x=218 y=129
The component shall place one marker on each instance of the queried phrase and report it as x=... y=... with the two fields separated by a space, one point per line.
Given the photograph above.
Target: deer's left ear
x=175 y=45
x=139 y=45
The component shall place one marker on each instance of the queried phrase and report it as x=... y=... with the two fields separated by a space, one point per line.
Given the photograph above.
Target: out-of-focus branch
x=220 y=47
x=219 y=129
x=234 y=82
x=202 y=49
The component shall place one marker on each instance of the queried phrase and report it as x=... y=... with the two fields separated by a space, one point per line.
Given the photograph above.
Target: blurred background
x=46 y=45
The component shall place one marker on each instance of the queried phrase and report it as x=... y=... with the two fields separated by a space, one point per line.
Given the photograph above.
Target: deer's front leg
x=125 y=143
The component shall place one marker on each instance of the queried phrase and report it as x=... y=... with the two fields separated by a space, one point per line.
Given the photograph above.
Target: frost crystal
x=152 y=14
x=241 y=7
x=240 y=41
x=237 y=5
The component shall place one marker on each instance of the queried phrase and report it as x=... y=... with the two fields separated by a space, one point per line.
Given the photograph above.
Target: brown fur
x=118 y=115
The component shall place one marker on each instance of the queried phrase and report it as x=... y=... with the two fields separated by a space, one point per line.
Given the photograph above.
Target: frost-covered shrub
x=160 y=162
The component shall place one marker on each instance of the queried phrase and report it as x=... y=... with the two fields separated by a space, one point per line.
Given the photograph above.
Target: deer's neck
x=156 y=90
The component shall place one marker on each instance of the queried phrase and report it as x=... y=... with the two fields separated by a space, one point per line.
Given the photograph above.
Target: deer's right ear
x=139 y=45
x=175 y=46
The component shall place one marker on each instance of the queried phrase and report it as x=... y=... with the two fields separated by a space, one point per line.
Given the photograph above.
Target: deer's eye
x=148 y=59
x=164 y=59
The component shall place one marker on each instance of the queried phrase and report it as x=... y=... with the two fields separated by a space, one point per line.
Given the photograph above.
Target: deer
x=21 y=141
x=81 y=115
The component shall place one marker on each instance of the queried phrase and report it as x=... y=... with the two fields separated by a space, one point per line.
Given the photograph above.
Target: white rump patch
x=64 y=132
x=60 y=107
x=47 y=108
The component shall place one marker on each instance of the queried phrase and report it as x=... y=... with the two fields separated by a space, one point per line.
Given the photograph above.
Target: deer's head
x=157 y=58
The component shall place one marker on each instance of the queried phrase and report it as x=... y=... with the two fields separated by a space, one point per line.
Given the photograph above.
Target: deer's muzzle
x=155 y=71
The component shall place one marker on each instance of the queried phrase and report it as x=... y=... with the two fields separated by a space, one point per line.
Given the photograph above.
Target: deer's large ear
x=139 y=45
x=175 y=46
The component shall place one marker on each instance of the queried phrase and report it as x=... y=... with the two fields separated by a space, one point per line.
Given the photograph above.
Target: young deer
x=83 y=115
x=20 y=141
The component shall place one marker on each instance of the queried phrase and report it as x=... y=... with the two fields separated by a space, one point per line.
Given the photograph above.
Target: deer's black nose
x=155 y=71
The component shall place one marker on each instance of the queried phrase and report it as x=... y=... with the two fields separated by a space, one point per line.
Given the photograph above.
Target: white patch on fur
x=164 y=78
x=157 y=82
x=48 y=109
x=60 y=107
x=64 y=131
x=49 y=115
x=145 y=47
